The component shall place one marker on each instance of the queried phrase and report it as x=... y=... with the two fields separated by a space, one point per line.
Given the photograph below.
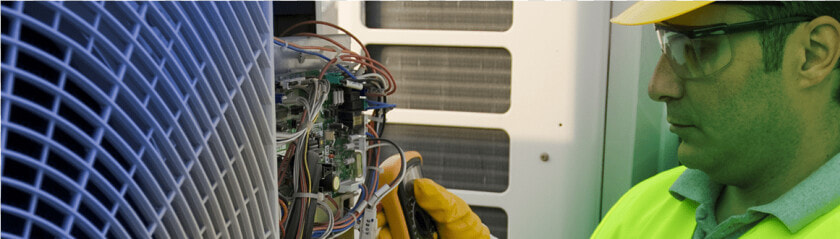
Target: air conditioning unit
x=138 y=120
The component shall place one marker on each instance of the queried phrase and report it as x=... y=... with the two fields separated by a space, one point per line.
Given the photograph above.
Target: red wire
x=371 y=66
x=364 y=48
x=389 y=76
x=378 y=151
x=364 y=60
x=321 y=76
x=325 y=38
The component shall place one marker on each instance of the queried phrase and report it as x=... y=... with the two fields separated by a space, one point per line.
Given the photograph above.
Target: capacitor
x=330 y=182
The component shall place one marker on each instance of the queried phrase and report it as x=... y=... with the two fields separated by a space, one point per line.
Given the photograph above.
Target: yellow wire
x=306 y=150
x=305 y=163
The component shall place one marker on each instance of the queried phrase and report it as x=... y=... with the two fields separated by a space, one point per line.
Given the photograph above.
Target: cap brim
x=653 y=12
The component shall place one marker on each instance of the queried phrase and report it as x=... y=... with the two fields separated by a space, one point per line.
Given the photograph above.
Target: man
x=753 y=91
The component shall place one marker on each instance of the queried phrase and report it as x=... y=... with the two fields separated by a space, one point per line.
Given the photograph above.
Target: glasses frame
x=724 y=28
x=695 y=32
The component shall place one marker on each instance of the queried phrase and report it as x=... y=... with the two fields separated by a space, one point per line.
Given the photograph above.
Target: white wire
x=377 y=145
x=341 y=233
x=284 y=138
x=330 y=216
x=377 y=76
x=310 y=122
x=403 y=168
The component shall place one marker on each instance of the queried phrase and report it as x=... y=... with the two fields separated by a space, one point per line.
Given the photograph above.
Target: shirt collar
x=796 y=208
x=809 y=199
x=695 y=185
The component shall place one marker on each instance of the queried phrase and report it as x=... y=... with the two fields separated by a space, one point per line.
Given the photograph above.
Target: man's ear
x=822 y=50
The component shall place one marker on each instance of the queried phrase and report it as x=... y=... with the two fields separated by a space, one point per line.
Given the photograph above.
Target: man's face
x=735 y=121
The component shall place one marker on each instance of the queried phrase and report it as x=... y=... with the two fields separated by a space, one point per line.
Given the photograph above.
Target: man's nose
x=665 y=85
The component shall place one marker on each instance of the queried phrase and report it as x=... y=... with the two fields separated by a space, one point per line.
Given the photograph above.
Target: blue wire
x=315 y=54
x=319 y=233
x=378 y=105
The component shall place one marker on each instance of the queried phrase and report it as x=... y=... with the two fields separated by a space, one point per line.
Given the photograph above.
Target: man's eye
x=706 y=50
x=705 y=47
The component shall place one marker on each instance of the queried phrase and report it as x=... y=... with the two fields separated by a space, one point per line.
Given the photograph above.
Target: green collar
x=806 y=201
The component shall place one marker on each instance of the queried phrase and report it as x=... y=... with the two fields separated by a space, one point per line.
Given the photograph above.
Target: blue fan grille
x=137 y=120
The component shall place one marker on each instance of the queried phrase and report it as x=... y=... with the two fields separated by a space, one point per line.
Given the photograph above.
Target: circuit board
x=330 y=106
x=338 y=129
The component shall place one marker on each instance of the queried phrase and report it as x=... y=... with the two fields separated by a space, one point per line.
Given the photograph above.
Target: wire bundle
x=379 y=83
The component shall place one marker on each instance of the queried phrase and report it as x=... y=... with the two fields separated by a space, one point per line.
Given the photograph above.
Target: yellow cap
x=653 y=12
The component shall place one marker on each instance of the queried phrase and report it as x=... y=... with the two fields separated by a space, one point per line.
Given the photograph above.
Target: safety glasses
x=699 y=51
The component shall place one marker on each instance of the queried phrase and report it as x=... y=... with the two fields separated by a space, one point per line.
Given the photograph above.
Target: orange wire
x=389 y=90
x=376 y=65
x=285 y=216
x=321 y=76
x=323 y=37
x=364 y=48
x=385 y=69
x=285 y=211
x=378 y=151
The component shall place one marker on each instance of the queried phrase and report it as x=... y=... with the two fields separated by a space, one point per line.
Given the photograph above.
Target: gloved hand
x=382 y=224
x=453 y=216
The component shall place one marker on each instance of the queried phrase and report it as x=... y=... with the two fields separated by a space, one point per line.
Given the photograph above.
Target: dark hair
x=773 y=39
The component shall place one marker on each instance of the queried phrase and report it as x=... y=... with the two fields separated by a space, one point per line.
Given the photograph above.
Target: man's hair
x=773 y=39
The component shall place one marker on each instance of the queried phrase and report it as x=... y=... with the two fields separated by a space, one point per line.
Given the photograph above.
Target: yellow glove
x=453 y=216
x=382 y=224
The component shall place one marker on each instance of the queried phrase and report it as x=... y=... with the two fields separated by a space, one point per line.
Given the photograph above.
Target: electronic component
x=328 y=178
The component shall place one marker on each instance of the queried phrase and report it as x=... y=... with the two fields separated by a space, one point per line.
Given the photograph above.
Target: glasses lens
x=695 y=58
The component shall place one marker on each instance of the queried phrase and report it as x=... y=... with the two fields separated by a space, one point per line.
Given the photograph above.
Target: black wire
x=380 y=129
x=402 y=157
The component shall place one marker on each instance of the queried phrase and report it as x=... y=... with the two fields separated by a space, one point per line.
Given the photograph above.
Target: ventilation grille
x=137 y=120
x=466 y=16
x=469 y=79
x=495 y=218
x=457 y=158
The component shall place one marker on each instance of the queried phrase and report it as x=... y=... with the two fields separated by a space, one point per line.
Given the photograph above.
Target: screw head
x=544 y=157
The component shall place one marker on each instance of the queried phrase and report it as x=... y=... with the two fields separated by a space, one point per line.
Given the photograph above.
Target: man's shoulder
x=659 y=183
x=651 y=194
x=649 y=211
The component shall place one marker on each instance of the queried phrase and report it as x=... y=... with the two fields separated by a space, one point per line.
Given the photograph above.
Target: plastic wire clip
x=317 y=196
x=377 y=169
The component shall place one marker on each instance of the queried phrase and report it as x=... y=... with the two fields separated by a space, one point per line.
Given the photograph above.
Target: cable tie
x=317 y=196
x=377 y=169
x=285 y=45
x=338 y=51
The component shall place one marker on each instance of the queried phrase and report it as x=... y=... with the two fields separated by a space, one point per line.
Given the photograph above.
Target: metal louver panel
x=437 y=15
x=495 y=218
x=469 y=79
x=457 y=158
x=137 y=120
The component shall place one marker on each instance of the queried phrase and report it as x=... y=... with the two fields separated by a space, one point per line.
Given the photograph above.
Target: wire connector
x=377 y=196
x=368 y=228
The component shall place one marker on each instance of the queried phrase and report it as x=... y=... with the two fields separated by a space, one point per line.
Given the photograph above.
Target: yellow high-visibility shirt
x=649 y=210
